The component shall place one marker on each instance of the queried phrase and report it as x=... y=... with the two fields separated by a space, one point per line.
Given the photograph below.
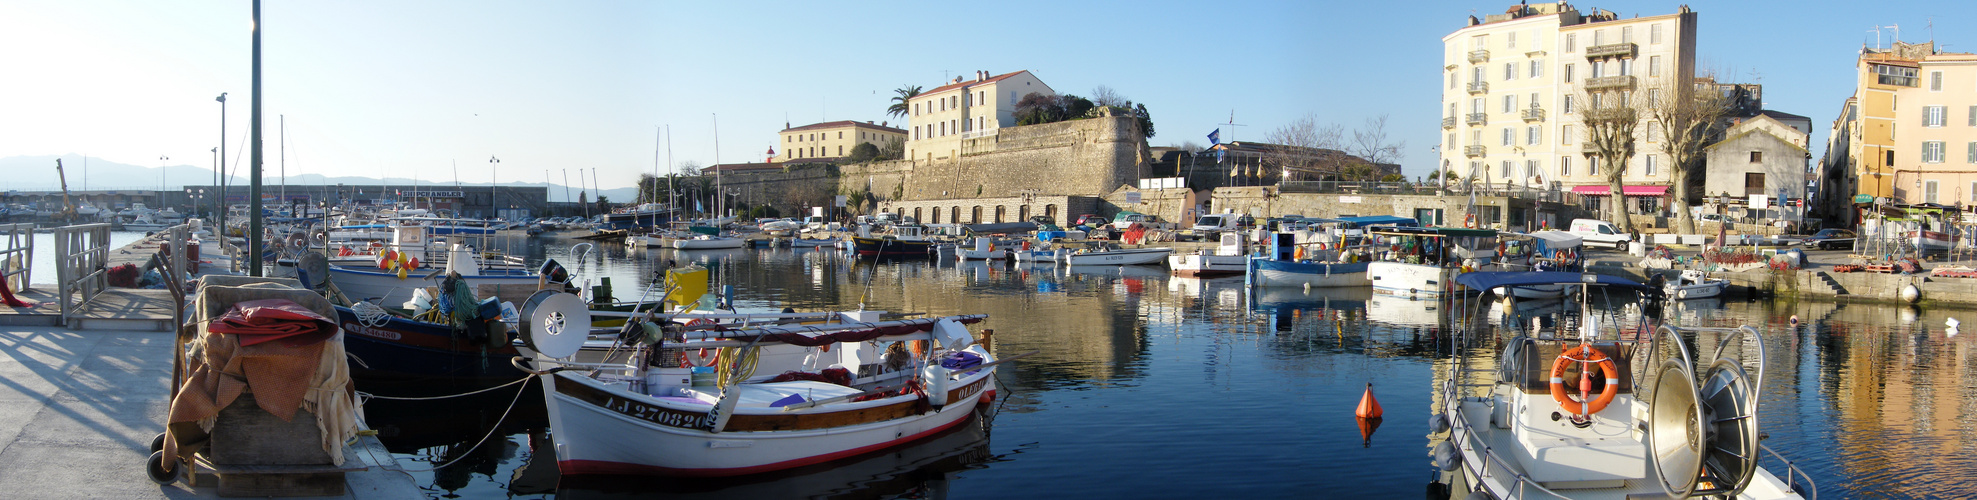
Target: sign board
x=1863 y=198
x=840 y=201
x=1759 y=202
x=816 y=211
x=1349 y=199
x=1163 y=183
x=1133 y=197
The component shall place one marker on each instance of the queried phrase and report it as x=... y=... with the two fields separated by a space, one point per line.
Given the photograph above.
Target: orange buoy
x=1366 y=428
x=1368 y=406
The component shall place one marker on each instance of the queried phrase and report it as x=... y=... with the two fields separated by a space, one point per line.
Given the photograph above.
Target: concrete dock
x=79 y=407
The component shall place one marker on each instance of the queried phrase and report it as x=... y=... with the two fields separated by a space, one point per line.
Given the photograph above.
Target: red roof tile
x=967 y=83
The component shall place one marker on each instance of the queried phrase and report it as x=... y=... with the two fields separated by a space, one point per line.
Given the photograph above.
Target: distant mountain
x=37 y=173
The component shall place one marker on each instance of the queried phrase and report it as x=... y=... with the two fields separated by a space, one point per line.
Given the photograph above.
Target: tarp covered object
x=258 y=321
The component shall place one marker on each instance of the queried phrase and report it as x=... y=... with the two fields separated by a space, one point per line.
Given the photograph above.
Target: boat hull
x=1124 y=257
x=358 y=284
x=1202 y=266
x=1932 y=241
x=1411 y=280
x=592 y=422
x=707 y=244
x=404 y=351
x=1708 y=290
x=1273 y=273
x=888 y=247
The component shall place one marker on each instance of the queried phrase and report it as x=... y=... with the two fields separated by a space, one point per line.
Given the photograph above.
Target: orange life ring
x=1592 y=358
x=702 y=357
x=1469 y=221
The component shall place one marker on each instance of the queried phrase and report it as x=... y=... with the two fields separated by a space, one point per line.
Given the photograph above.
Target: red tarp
x=257 y=321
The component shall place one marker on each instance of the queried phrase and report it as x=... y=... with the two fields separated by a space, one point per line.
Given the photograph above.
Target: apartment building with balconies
x=1914 y=136
x=970 y=108
x=831 y=140
x=1515 y=90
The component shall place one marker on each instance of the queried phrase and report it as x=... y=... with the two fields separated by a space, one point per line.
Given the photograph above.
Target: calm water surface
x=1151 y=386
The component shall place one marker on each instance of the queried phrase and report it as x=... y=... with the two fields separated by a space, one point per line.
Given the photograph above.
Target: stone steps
x=1831 y=283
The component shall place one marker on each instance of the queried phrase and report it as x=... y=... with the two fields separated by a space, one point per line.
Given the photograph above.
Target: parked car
x=1092 y=220
x=1827 y=239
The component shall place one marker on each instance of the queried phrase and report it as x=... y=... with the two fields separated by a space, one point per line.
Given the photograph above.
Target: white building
x=942 y=119
x=1514 y=84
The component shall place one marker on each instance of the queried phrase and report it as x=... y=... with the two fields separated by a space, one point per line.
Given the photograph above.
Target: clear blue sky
x=412 y=88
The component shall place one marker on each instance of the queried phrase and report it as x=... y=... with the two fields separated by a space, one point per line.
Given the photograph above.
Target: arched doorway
x=976 y=216
x=1051 y=212
x=916 y=214
x=936 y=218
x=1000 y=211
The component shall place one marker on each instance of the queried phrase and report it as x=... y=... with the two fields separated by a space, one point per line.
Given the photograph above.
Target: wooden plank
x=128 y=303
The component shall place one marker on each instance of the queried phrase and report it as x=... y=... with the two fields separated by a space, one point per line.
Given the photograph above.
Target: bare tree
x=1682 y=119
x=690 y=168
x=1105 y=96
x=1610 y=119
x=1370 y=143
x=1295 y=149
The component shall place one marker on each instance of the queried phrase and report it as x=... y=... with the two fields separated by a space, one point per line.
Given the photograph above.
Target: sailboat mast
x=720 y=194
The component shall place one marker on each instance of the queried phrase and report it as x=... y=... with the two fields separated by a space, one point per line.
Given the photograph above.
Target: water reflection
x=1218 y=392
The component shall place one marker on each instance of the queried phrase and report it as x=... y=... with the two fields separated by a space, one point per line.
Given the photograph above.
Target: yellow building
x=942 y=120
x=831 y=140
x=1914 y=138
x=1513 y=86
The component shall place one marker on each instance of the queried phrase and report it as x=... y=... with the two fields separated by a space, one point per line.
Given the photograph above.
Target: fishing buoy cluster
x=392 y=260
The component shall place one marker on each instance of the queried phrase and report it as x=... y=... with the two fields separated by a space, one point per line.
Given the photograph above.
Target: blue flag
x=1218 y=155
x=1215 y=137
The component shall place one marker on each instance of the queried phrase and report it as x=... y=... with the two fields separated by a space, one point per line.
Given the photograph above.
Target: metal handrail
x=1793 y=469
x=81 y=271
x=24 y=247
x=1468 y=439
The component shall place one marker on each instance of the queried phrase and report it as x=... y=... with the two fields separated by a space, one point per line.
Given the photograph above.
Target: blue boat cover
x=1486 y=280
x=1375 y=220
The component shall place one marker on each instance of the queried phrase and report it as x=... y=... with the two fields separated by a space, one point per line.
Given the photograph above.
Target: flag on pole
x=1215 y=137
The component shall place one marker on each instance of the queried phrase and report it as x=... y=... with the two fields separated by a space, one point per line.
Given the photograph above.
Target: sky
x=434 y=90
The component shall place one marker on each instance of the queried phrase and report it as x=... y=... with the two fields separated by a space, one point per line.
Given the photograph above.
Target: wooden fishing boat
x=1694 y=284
x=1423 y=262
x=1537 y=423
x=394 y=349
x=659 y=416
x=903 y=241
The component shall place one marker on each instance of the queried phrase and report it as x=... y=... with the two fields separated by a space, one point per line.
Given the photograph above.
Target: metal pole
x=254 y=240
x=493 y=198
x=220 y=182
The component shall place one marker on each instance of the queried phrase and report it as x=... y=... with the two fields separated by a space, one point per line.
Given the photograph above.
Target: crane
x=68 y=212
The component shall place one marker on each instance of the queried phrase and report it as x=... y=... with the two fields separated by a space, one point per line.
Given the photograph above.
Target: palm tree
x=900 y=107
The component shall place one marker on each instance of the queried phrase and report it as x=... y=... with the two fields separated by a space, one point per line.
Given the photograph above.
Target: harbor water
x=1152 y=386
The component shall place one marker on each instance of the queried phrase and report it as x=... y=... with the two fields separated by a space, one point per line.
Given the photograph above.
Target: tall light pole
x=254 y=240
x=216 y=168
x=493 y=201
x=220 y=198
x=161 y=180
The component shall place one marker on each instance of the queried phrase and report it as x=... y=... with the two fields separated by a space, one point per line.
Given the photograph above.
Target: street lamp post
x=492 y=196
x=219 y=211
x=216 y=175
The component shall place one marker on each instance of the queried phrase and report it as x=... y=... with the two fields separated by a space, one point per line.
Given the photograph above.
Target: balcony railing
x=980 y=133
x=1902 y=81
x=1479 y=87
x=1611 y=50
x=1610 y=114
x=1448 y=122
x=1534 y=114
x=1479 y=56
x=1472 y=151
x=1623 y=82
x=1588 y=147
x=1478 y=118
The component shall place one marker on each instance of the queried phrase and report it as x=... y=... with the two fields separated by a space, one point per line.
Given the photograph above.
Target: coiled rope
x=370 y=314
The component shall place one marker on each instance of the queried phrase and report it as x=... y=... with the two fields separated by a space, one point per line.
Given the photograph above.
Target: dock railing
x=81 y=252
x=17 y=255
x=176 y=265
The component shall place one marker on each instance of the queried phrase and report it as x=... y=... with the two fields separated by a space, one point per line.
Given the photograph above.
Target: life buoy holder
x=1589 y=357
x=1469 y=221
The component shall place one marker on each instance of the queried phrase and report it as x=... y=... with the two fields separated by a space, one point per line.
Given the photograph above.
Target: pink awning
x=1629 y=190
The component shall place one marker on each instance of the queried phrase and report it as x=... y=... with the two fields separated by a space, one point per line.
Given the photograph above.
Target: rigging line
x=490 y=431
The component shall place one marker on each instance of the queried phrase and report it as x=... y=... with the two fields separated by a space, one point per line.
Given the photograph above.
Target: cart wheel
x=158 y=443
x=155 y=467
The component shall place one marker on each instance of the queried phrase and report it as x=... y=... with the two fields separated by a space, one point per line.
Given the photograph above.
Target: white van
x=1598 y=231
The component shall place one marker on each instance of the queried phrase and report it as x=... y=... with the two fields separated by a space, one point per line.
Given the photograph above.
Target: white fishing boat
x=705 y=242
x=860 y=392
x=1227 y=259
x=394 y=280
x=984 y=249
x=1040 y=256
x=1537 y=423
x=1108 y=254
x=813 y=242
x=1694 y=284
x=1550 y=251
x=1423 y=262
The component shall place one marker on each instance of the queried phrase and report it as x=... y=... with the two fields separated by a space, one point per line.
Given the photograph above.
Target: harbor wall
x=1087 y=157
